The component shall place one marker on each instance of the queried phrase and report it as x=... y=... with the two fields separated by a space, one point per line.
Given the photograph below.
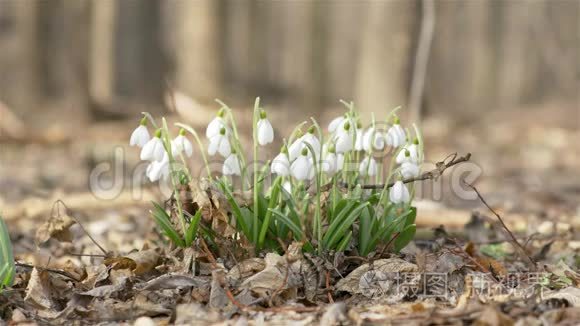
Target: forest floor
x=463 y=267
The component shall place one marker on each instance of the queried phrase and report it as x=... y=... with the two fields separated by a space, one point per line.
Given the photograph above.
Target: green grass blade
x=193 y=227
x=164 y=222
x=345 y=225
x=6 y=257
x=338 y=220
x=405 y=237
x=268 y=215
x=236 y=210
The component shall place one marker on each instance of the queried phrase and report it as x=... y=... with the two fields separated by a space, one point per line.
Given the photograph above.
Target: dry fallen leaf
x=57 y=227
x=38 y=291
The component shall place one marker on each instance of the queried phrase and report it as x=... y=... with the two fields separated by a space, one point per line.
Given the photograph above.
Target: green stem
x=255 y=137
x=173 y=175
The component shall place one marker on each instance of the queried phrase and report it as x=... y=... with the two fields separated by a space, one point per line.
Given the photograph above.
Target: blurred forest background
x=105 y=58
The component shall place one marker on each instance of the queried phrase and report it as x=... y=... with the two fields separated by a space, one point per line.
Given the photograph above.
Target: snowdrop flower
x=344 y=139
x=396 y=135
x=330 y=162
x=410 y=170
x=232 y=165
x=300 y=168
x=281 y=163
x=287 y=186
x=295 y=148
x=368 y=167
x=181 y=144
x=312 y=140
x=358 y=144
x=336 y=123
x=220 y=143
x=158 y=169
x=409 y=153
x=339 y=162
x=153 y=149
x=265 y=130
x=373 y=140
x=214 y=127
x=399 y=193
x=140 y=135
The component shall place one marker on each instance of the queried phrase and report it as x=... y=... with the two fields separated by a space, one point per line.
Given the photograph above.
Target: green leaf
x=164 y=222
x=365 y=231
x=236 y=210
x=295 y=228
x=193 y=227
x=344 y=243
x=268 y=214
x=345 y=225
x=405 y=237
x=344 y=207
x=6 y=257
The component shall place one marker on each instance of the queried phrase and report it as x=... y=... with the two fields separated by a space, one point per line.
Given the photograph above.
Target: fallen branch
x=429 y=175
x=50 y=270
x=514 y=241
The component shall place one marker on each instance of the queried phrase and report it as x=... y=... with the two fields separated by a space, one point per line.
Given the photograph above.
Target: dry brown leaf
x=38 y=291
x=246 y=269
x=120 y=263
x=56 y=227
x=145 y=260
x=173 y=281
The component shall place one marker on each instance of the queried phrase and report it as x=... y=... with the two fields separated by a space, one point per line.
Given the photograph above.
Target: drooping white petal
x=231 y=165
x=358 y=144
x=399 y=193
x=287 y=186
x=214 y=127
x=373 y=140
x=339 y=162
x=265 y=132
x=300 y=168
x=313 y=141
x=343 y=142
x=329 y=164
x=181 y=144
x=410 y=170
x=158 y=169
x=153 y=150
x=219 y=144
x=368 y=167
x=335 y=124
x=295 y=149
x=413 y=157
x=140 y=136
x=281 y=165
x=396 y=136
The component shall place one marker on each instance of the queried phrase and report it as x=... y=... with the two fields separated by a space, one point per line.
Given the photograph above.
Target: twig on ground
x=514 y=241
x=328 y=291
x=68 y=212
x=50 y=270
x=429 y=175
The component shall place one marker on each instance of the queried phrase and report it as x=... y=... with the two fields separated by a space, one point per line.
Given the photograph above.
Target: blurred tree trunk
x=101 y=54
x=383 y=72
x=464 y=56
x=192 y=30
x=20 y=85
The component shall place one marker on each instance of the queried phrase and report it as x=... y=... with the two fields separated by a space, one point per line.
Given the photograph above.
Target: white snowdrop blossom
x=214 y=127
x=281 y=163
x=368 y=167
x=287 y=186
x=158 y=169
x=300 y=168
x=399 y=194
x=265 y=130
x=339 y=162
x=410 y=170
x=220 y=144
x=343 y=139
x=358 y=144
x=232 y=165
x=329 y=164
x=181 y=144
x=373 y=140
x=153 y=149
x=409 y=153
x=140 y=136
x=295 y=149
x=313 y=141
x=336 y=123
x=396 y=135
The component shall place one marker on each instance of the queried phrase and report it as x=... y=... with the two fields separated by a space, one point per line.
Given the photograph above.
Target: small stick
x=50 y=270
x=80 y=224
x=514 y=241
x=328 y=292
x=429 y=175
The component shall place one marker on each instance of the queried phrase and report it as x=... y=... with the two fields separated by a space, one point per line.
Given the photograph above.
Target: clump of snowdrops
x=311 y=192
